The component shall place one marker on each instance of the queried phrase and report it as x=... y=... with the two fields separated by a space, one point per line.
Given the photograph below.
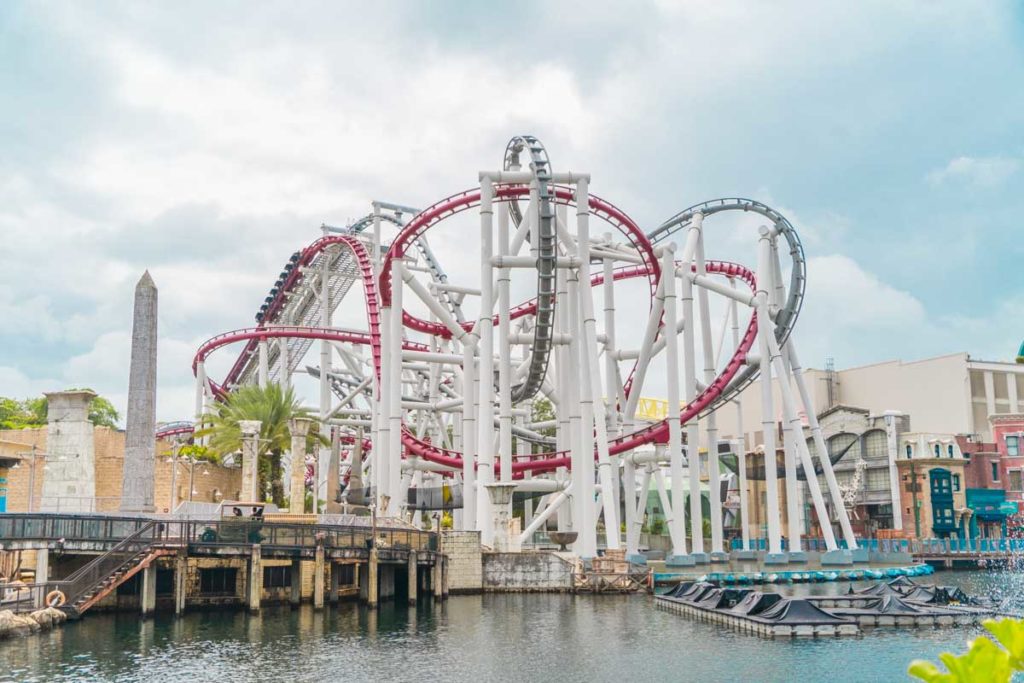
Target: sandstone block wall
x=465 y=565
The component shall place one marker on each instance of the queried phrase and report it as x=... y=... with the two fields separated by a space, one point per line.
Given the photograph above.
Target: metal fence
x=246 y=531
x=937 y=546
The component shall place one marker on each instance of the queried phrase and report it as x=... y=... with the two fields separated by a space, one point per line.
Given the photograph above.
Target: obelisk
x=140 y=439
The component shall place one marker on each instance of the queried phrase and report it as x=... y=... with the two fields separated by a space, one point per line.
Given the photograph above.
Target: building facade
x=933 y=486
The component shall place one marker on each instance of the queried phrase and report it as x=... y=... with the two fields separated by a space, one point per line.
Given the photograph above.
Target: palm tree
x=273 y=407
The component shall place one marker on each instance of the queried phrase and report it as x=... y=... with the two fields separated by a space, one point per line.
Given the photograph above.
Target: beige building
x=23 y=458
x=951 y=394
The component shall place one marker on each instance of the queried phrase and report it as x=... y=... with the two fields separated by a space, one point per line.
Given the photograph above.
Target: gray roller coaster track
x=787 y=315
x=547 y=251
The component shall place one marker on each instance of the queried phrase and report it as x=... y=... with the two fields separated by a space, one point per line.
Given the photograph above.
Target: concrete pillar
x=147 y=598
x=299 y=428
x=296 y=583
x=140 y=419
x=181 y=581
x=250 y=459
x=437 y=578
x=371 y=579
x=335 y=583
x=255 y=579
x=70 y=482
x=363 y=581
x=318 y=578
x=411 y=577
x=42 y=574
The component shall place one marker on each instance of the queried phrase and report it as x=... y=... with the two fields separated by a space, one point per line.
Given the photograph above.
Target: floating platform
x=901 y=603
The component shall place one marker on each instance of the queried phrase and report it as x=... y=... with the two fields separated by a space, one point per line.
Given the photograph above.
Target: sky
x=206 y=142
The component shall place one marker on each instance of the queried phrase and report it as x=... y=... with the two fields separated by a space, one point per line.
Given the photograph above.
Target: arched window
x=910 y=450
x=845 y=442
x=875 y=444
x=949 y=449
x=938 y=451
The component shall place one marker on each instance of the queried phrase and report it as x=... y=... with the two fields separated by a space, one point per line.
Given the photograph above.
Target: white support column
x=324 y=453
x=381 y=461
x=689 y=393
x=819 y=445
x=264 y=364
x=200 y=396
x=504 y=351
x=892 y=450
x=677 y=530
x=485 y=329
x=710 y=423
x=591 y=375
x=285 y=364
x=741 y=448
x=394 y=453
x=765 y=329
x=469 y=484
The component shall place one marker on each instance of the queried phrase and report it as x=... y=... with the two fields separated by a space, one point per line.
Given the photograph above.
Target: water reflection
x=506 y=637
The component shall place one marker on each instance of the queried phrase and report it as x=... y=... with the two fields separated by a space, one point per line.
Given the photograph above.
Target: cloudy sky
x=207 y=141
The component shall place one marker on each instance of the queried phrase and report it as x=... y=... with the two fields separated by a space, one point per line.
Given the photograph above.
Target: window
x=956 y=482
x=218 y=580
x=848 y=444
x=910 y=450
x=277 y=577
x=1015 y=480
x=1013 y=446
x=877 y=479
x=875 y=444
x=995 y=471
x=938 y=451
x=949 y=449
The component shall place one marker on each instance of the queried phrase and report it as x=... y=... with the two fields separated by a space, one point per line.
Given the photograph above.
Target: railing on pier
x=227 y=532
x=928 y=546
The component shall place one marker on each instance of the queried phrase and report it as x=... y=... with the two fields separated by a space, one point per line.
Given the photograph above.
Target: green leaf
x=984 y=662
x=1010 y=633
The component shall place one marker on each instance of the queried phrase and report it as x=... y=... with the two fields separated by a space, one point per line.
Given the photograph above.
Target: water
x=479 y=638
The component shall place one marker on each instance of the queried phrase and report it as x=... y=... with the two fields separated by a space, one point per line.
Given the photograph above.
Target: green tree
x=32 y=412
x=273 y=407
x=984 y=661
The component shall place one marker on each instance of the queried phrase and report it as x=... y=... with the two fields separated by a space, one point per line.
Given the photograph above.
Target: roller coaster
x=443 y=381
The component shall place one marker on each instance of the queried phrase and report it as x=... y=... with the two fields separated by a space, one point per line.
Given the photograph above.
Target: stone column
x=295 y=597
x=500 y=495
x=140 y=419
x=318 y=578
x=299 y=428
x=411 y=577
x=250 y=459
x=181 y=581
x=371 y=579
x=255 y=579
x=42 y=574
x=444 y=577
x=437 y=578
x=147 y=597
x=70 y=481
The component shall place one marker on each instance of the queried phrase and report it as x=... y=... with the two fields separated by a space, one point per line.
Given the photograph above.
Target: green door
x=942 y=502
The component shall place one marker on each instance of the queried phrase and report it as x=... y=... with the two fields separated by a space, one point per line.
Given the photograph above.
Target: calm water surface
x=479 y=638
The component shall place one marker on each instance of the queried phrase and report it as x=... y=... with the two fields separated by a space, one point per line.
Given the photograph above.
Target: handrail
x=104 y=566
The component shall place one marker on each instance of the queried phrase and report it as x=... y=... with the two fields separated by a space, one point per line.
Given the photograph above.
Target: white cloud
x=981 y=172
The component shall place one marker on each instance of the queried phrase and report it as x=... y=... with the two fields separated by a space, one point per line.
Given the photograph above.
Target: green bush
x=984 y=661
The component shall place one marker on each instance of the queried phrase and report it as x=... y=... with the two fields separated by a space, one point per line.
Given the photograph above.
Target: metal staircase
x=99 y=578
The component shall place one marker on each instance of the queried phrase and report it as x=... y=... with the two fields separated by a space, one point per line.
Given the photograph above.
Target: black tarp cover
x=756 y=602
x=798 y=611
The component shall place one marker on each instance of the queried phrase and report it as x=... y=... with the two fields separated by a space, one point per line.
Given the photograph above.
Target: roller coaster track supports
x=504 y=350
x=764 y=332
x=394 y=452
x=741 y=451
x=820 y=448
x=591 y=373
x=323 y=453
x=485 y=329
x=708 y=349
x=677 y=528
x=690 y=249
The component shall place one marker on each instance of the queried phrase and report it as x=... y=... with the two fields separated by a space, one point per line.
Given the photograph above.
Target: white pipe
x=485 y=329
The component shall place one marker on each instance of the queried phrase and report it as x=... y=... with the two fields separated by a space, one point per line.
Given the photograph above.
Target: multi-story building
x=932 y=486
x=952 y=394
x=983 y=481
